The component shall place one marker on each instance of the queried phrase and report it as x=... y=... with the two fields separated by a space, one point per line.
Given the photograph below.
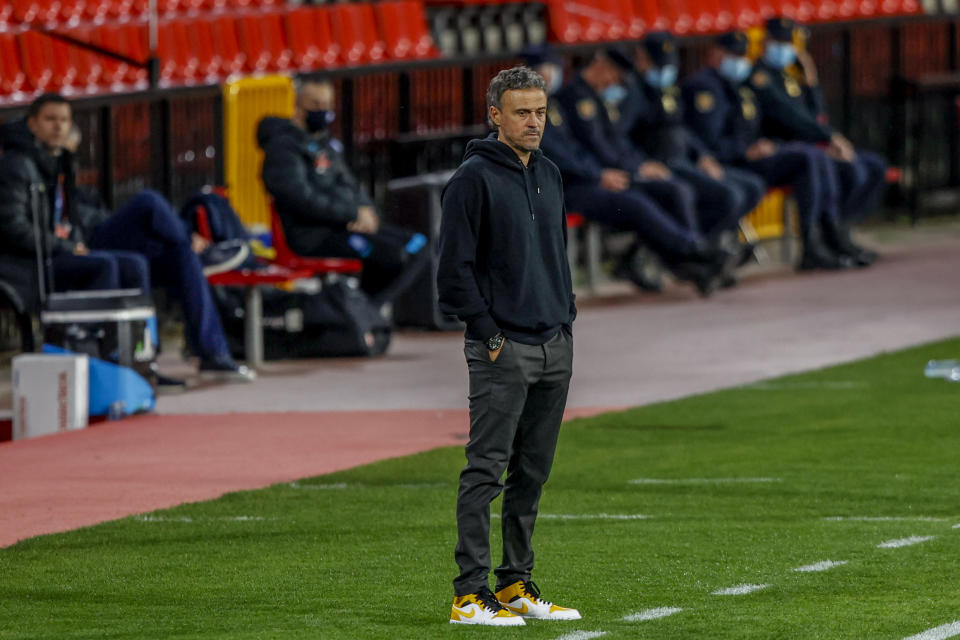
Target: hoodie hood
x=495 y=151
x=271 y=128
x=15 y=136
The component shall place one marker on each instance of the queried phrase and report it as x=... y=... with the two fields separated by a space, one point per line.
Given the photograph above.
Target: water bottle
x=947 y=369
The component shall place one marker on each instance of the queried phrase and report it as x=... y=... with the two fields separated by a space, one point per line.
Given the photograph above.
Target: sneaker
x=523 y=598
x=224 y=256
x=226 y=370
x=482 y=608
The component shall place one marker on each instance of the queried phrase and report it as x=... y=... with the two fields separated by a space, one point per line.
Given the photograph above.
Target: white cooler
x=50 y=394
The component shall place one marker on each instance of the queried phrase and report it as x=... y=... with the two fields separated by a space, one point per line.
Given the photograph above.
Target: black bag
x=337 y=320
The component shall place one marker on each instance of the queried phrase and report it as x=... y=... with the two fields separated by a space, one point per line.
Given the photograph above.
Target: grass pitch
x=739 y=487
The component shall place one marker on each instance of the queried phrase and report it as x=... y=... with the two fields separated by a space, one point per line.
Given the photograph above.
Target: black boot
x=836 y=235
x=816 y=255
x=636 y=265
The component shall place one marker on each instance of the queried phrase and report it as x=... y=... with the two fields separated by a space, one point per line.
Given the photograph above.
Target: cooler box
x=118 y=326
x=50 y=394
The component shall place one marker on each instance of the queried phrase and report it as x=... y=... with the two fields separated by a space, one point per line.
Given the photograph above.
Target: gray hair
x=520 y=77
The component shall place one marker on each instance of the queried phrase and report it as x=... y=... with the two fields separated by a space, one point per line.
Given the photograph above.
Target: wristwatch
x=494 y=343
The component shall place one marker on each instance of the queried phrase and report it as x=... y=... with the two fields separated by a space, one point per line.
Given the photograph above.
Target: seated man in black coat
x=324 y=210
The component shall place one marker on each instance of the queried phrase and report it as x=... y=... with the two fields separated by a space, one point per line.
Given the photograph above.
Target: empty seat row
x=600 y=20
x=205 y=50
x=69 y=12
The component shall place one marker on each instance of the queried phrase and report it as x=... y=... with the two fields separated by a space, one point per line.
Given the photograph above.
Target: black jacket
x=313 y=190
x=25 y=163
x=503 y=260
x=786 y=112
x=725 y=116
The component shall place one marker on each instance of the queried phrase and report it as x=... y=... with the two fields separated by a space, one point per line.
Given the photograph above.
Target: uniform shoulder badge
x=760 y=79
x=613 y=113
x=704 y=101
x=792 y=87
x=669 y=103
x=587 y=109
x=555 y=117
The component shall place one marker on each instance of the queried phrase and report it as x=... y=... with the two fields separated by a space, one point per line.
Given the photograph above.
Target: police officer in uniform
x=724 y=194
x=582 y=103
x=788 y=115
x=724 y=112
x=604 y=195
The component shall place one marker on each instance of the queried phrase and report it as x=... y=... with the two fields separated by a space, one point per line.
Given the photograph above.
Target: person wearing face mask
x=790 y=112
x=724 y=194
x=724 y=112
x=324 y=210
x=603 y=194
x=584 y=104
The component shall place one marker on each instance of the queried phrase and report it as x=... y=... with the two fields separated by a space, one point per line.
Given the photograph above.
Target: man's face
x=52 y=125
x=316 y=96
x=522 y=118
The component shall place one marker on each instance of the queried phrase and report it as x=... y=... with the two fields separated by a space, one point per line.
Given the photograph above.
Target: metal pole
x=153 y=62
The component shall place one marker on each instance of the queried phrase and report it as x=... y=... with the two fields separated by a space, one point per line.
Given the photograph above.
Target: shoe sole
x=230 y=264
x=491 y=624
x=224 y=376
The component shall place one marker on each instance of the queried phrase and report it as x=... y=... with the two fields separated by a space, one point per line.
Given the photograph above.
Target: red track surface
x=116 y=469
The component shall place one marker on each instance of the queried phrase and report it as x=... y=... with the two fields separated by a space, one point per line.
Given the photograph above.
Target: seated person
x=792 y=112
x=604 y=195
x=724 y=194
x=324 y=210
x=91 y=248
x=724 y=112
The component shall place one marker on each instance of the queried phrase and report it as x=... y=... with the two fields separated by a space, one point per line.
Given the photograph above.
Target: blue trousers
x=861 y=183
x=632 y=210
x=101 y=270
x=148 y=225
x=720 y=203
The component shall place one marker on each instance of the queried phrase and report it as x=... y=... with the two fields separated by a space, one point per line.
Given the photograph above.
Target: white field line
x=582 y=635
x=956 y=526
x=740 y=590
x=949 y=630
x=826 y=565
x=190 y=520
x=587 y=516
x=904 y=542
x=704 y=480
x=826 y=384
x=886 y=519
x=652 y=614
x=319 y=487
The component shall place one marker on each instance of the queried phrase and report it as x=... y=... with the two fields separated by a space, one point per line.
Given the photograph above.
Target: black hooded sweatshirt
x=503 y=236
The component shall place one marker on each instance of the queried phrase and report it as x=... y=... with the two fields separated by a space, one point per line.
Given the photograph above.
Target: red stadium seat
x=128 y=39
x=96 y=10
x=303 y=39
x=178 y=63
x=36 y=58
x=64 y=73
x=209 y=61
x=261 y=37
x=564 y=26
x=285 y=257
x=355 y=28
x=47 y=11
x=743 y=14
x=232 y=58
x=86 y=64
x=402 y=26
x=12 y=78
x=6 y=12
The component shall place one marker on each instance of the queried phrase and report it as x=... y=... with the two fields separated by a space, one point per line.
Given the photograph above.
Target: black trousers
x=516 y=406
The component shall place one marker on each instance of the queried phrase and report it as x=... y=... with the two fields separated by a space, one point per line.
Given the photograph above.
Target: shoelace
x=489 y=601
x=530 y=588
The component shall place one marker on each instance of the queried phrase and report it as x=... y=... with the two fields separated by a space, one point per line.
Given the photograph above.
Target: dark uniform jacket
x=503 y=260
x=25 y=163
x=787 y=113
x=658 y=126
x=313 y=190
x=726 y=117
x=577 y=166
x=591 y=126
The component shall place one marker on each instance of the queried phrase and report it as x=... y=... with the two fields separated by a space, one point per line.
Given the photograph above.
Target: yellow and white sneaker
x=482 y=608
x=523 y=598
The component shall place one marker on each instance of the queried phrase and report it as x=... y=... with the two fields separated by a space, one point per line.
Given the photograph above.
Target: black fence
x=892 y=85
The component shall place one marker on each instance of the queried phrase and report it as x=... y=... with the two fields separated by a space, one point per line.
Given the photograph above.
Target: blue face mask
x=780 y=55
x=665 y=76
x=614 y=94
x=735 y=68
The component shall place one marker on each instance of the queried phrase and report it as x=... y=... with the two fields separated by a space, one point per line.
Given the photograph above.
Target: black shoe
x=224 y=256
x=634 y=266
x=703 y=276
x=747 y=252
x=816 y=256
x=224 y=369
x=728 y=281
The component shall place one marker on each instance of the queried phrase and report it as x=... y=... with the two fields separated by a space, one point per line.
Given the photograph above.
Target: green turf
x=368 y=553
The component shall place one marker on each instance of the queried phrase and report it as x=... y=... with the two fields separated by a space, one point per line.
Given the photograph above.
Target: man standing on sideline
x=503 y=270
